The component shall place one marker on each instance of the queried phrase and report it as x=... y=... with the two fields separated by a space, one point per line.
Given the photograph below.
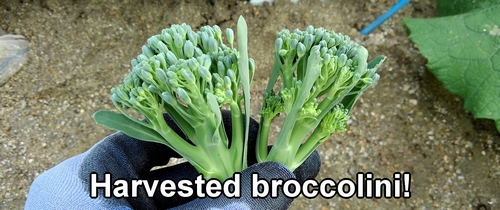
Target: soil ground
x=407 y=123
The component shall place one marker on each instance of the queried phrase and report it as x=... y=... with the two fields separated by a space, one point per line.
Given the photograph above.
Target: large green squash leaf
x=455 y=7
x=463 y=51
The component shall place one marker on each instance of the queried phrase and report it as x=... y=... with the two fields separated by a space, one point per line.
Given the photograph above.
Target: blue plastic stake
x=393 y=10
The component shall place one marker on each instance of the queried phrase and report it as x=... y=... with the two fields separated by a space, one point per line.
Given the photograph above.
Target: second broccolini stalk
x=323 y=74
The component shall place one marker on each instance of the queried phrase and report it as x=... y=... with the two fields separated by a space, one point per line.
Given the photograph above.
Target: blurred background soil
x=407 y=123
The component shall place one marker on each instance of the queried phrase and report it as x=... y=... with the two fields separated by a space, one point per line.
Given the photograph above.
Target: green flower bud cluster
x=190 y=76
x=274 y=105
x=180 y=66
x=322 y=73
x=334 y=121
x=342 y=68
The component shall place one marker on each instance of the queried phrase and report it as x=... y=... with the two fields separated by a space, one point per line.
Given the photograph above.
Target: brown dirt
x=406 y=123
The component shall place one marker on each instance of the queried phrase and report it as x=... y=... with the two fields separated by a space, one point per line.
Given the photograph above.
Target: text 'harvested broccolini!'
x=191 y=76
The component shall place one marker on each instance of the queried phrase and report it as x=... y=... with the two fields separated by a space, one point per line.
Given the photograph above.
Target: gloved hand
x=67 y=185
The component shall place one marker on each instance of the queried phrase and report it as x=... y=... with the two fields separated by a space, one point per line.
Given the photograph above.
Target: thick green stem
x=287 y=75
x=308 y=147
x=330 y=97
x=262 y=139
x=177 y=143
x=312 y=73
x=180 y=121
x=210 y=144
x=236 y=148
x=276 y=71
x=220 y=163
x=283 y=154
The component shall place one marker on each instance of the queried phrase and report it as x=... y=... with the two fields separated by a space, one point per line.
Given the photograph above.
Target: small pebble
x=352 y=170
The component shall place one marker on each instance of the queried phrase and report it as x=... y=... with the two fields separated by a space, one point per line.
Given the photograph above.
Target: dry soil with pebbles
x=406 y=123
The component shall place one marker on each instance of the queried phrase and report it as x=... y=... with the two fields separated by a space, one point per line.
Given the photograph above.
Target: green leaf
x=454 y=7
x=242 y=37
x=463 y=51
x=376 y=62
x=122 y=123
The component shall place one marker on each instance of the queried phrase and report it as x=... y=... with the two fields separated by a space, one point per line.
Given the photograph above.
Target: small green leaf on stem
x=122 y=123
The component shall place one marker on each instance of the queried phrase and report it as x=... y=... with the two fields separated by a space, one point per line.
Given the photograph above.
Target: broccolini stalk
x=190 y=76
x=323 y=73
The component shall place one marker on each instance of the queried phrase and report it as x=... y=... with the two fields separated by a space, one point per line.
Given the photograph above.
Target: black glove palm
x=128 y=158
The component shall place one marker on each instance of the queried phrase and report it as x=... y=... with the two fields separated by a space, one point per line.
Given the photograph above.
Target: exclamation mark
x=406 y=185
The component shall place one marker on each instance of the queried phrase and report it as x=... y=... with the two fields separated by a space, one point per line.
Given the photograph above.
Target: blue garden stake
x=393 y=10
